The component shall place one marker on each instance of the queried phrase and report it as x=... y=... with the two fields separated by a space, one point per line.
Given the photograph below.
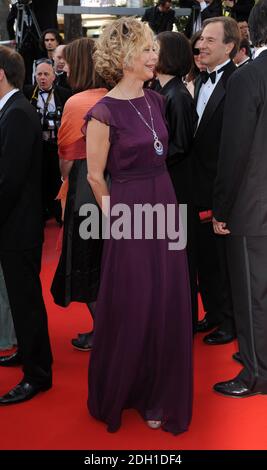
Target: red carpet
x=58 y=419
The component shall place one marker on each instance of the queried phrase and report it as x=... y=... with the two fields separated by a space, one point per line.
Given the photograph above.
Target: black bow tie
x=206 y=75
x=43 y=92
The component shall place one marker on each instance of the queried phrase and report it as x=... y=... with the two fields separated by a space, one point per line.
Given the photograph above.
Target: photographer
x=49 y=101
x=45 y=14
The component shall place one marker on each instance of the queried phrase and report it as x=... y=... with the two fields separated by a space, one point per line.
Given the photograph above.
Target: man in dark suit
x=243 y=56
x=21 y=230
x=59 y=65
x=239 y=9
x=240 y=209
x=218 y=45
x=49 y=101
x=161 y=17
x=201 y=10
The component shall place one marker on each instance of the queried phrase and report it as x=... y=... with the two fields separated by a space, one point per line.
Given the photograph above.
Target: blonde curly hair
x=120 y=42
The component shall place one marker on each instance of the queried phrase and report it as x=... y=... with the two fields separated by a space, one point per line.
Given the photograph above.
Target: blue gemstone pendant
x=158 y=147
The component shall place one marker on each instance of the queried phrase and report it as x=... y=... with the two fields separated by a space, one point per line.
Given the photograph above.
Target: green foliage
x=180 y=23
x=148 y=3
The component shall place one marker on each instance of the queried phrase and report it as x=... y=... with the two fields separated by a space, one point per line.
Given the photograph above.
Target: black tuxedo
x=241 y=192
x=18 y=228
x=207 y=140
x=240 y=200
x=213 y=273
x=21 y=233
x=51 y=175
x=61 y=95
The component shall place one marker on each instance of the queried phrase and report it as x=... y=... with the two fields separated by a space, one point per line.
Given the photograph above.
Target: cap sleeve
x=101 y=113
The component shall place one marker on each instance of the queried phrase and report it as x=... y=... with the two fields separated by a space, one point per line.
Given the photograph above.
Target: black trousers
x=21 y=272
x=180 y=173
x=247 y=258
x=213 y=277
x=51 y=180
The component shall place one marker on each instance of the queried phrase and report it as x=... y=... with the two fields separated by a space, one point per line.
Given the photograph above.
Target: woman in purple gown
x=143 y=333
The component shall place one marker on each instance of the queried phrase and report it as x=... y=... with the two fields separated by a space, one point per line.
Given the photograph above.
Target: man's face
x=59 y=61
x=166 y=7
x=213 y=51
x=244 y=29
x=240 y=56
x=45 y=76
x=50 y=42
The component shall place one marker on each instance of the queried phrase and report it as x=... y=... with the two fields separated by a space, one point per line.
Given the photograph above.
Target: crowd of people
x=144 y=118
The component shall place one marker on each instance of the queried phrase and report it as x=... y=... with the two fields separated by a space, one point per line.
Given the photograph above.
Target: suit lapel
x=198 y=84
x=8 y=103
x=215 y=99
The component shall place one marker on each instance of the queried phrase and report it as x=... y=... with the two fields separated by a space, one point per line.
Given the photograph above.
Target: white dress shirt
x=46 y=101
x=207 y=89
x=259 y=50
x=246 y=60
x=6 y=97
x=198 y=22
x=42 y=99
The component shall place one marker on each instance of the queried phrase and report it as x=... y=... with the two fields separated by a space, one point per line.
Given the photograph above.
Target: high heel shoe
x=153 y=424
x=84 y=341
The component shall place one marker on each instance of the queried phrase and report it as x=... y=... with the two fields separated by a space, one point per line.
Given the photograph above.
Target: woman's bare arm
x=97 y=148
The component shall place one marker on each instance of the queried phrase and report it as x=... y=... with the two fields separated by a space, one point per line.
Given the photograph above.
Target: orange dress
x=77 y=275
x=71 y=141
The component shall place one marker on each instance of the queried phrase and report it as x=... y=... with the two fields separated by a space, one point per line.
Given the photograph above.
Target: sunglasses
x=196 y=51
x=44 y=61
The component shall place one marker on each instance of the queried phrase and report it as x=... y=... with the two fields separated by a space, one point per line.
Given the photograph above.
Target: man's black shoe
x=205 y=325
x=22 y=392
x=218 y=337
x=11 y=360
x=236 y=388
x=236 y=356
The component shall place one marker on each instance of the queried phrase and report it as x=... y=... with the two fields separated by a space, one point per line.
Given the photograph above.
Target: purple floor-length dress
x=143 y=334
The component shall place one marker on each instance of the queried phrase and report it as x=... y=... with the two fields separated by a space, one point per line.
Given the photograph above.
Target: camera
x=50 y=123
x=52 y=120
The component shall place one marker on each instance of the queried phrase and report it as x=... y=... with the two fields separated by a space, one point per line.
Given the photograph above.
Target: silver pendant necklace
x=158 y=146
